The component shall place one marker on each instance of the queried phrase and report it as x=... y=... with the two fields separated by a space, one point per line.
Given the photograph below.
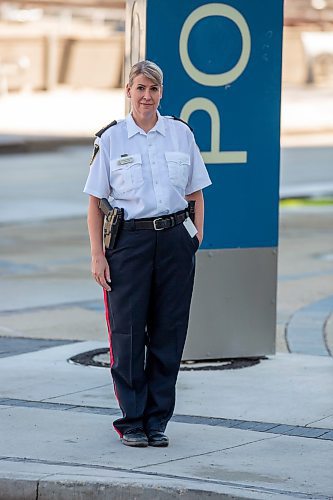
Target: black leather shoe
x=157 y=438
x=135 y=437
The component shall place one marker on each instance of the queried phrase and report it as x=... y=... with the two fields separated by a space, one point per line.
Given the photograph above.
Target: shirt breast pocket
x=178 y=167
x=126 y=176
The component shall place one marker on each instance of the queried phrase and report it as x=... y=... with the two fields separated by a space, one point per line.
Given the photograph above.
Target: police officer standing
x=149 y=166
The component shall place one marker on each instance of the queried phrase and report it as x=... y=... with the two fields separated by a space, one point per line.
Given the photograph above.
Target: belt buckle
x=154 y=224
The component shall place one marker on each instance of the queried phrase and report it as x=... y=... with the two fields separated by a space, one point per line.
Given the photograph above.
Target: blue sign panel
x=222 y=65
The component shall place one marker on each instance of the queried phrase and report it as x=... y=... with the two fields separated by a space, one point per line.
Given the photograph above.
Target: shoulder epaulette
x=101 y=132
x=180 y=120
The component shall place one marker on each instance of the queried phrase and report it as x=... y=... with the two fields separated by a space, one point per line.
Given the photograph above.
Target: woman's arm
x=99 y=265
x=199 y=212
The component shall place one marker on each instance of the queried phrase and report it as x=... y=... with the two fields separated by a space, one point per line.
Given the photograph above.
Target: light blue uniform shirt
x=147 y=174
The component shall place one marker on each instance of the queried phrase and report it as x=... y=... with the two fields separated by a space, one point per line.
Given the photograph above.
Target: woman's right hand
x=101 y=271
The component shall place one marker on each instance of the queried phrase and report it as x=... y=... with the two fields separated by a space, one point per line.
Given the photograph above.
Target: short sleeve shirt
x=147 y=174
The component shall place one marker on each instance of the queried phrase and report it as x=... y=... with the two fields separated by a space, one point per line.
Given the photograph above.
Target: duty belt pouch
x=191 y=209
x=112 y=223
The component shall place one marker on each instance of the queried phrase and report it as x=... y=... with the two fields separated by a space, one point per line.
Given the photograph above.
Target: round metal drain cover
x=101 y=358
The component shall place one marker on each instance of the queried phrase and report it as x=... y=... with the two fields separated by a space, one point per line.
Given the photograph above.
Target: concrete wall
x=42 y=62
x=293 y=57
x=295 y=68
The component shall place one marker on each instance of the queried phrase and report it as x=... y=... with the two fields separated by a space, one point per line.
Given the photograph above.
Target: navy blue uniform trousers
x=147 y=312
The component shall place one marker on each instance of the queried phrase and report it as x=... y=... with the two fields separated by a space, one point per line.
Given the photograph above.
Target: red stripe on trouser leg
x=107 y=317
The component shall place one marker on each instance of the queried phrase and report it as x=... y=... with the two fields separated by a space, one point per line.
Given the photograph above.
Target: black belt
x=158 y=223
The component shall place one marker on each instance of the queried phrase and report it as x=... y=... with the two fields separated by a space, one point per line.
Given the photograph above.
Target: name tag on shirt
x=190 y=227
x=125 y=160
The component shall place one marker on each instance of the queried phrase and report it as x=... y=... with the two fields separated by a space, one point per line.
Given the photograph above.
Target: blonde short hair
x=148 y=69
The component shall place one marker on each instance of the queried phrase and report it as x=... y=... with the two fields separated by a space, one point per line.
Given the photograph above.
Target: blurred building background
x=61 y=66
x=77 y=43
x=80 y=43
x=308 y=42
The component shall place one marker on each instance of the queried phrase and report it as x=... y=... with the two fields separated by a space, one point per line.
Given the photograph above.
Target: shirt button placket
x=154 y=170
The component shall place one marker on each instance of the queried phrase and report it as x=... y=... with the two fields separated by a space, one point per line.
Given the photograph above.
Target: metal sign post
x=222 y=67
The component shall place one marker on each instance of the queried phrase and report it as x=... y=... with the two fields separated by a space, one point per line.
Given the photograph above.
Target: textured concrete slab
x=105 y=483
x=289 y=464
x=13 y=347
x=219 y=457
x=87 y=439
x=47 y=374
x=250 y=425
x=14 y=488
x=102 y=397
x=326 y=423
x=288 y=389
x=22 y=293
x=70 y=322
x=90 y=490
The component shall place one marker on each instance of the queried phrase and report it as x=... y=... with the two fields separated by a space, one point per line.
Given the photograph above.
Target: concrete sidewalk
x=271 y=434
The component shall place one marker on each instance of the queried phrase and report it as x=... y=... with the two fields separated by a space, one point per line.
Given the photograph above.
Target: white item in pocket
x=190 y=227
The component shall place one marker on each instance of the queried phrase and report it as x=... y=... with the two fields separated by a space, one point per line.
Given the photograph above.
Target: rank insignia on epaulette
x=96 y=149
x=183 y=121
x=104 y=129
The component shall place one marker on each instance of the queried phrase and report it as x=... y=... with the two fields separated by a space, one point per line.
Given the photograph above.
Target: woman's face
x=145 y=97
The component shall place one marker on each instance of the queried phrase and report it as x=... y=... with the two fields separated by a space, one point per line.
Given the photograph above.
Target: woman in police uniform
x=150 y=166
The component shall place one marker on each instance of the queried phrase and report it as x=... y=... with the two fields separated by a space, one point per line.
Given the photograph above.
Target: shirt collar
x=133 y=128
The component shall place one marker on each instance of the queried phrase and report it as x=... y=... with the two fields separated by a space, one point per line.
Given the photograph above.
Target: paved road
x=48 y=185
x=45 y=185
x=306 y=170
